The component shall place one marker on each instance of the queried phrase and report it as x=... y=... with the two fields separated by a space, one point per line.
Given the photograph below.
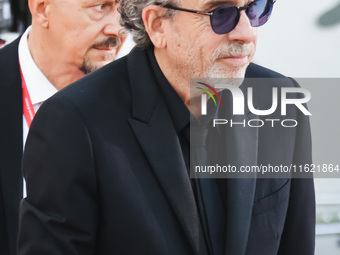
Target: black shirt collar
x=179 y=113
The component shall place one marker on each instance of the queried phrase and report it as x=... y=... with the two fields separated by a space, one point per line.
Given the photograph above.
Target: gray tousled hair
x=131 y=18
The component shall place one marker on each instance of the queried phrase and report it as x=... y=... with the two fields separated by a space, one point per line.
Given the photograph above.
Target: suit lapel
x=11 y=147
x=154 y=130
x=241 y=150
x=240 y=191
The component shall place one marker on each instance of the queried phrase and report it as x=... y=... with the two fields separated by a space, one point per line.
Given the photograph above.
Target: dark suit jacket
x=105 y=175
x=11 y=147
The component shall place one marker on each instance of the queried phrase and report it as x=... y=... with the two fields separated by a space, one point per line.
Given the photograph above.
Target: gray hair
x=131 y=18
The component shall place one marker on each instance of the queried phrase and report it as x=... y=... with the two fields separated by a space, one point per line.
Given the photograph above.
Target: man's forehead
x=96 y=1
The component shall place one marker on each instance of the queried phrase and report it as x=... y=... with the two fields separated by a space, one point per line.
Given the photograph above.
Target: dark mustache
x=108 y=43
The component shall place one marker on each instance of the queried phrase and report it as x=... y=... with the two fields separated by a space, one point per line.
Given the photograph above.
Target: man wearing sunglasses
x=119 y=176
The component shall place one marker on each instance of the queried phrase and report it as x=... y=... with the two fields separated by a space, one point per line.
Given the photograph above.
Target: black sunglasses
x=225 y=18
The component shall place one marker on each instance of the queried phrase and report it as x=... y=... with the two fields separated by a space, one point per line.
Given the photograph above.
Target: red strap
x=28 y=109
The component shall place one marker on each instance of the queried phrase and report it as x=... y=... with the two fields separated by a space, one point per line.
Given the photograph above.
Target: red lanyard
x=28 y=109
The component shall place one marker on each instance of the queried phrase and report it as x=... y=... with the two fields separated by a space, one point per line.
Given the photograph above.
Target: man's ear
x=154 y=24
x=39 y=10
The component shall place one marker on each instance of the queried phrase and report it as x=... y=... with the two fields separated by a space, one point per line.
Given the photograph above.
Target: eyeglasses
x=225 y=18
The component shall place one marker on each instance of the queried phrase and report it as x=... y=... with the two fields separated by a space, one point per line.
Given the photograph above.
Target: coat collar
x=156 y=134
x=154 y=130
x=11 y=131
x=240 y=144
x=242 y=150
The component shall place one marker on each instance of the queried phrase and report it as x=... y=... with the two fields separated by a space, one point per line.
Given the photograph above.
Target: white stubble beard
x=234 y=74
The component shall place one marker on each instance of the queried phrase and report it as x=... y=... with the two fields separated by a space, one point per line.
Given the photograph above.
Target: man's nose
x=112 y=29
x=243 y=32
x=112 y=26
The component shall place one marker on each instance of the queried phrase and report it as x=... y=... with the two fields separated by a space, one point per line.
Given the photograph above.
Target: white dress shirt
x=128 y=45
x=38 y=86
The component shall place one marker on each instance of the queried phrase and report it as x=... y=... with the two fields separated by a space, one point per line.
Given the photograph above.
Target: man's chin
x=89 y=66
x=228 y=73
x=100 y=64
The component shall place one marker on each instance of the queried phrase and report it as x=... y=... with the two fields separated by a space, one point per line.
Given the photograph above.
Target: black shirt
x=213 y=226
x=179 y=113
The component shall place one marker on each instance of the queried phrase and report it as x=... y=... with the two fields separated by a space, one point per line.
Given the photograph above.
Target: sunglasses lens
x=224 y=19
x=259 y=12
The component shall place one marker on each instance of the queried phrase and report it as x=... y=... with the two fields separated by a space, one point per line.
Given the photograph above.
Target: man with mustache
x=107 y=160
x=67 y=40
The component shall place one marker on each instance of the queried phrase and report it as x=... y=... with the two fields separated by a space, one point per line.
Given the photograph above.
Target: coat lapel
x=11 y=147
x=242 y=150
x=154 y=130
x=240 y=191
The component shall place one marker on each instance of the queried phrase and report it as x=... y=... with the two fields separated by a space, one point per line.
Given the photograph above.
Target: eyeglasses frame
x=169 y=6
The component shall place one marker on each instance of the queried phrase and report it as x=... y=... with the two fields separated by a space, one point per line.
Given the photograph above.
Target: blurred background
x=301 y=40
x=14 y=15
x=14 y=19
